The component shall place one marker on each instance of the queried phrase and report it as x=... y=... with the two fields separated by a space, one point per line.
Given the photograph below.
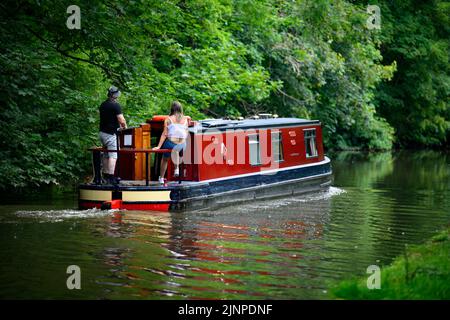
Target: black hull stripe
x=260 y=187
x=253 y=182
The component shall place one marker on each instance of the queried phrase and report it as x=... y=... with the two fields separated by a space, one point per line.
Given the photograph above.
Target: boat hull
x=189 y=195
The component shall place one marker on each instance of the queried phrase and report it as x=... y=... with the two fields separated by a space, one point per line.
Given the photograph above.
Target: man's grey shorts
x=109 y=142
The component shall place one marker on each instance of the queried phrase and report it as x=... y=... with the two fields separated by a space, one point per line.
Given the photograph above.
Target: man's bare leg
x=111 y=165
x=105 y=165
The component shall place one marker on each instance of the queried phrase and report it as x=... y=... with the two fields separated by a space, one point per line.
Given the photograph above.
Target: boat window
x=277 y=146
x=310 y=143
x=253 y=148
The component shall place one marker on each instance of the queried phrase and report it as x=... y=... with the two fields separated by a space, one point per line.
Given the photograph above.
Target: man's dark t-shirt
x=108 y=116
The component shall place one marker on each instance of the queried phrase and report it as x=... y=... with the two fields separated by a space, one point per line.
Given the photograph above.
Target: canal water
x=292 y=248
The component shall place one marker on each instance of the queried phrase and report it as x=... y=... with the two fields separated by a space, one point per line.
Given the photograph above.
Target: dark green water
x=284 y=248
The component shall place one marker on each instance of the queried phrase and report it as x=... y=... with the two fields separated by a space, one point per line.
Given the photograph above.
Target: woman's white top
x=177 y=130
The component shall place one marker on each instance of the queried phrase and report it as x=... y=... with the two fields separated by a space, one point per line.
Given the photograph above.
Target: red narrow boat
x=226 y=161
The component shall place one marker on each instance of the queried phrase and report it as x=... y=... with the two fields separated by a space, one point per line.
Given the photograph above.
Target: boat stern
x=157 y=198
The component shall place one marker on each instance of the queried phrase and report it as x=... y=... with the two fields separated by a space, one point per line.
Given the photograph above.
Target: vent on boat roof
x=264 y=116
x=212 y=123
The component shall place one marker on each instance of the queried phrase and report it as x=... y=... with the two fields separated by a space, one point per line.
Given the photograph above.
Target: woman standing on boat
x=174 y=138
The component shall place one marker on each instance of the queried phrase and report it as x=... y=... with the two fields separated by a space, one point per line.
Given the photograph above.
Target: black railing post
x=146 y=168
x=97 y=166
x=118 y=153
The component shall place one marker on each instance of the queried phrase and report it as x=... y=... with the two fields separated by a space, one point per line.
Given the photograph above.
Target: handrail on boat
x=96 y=159
x=129 y=150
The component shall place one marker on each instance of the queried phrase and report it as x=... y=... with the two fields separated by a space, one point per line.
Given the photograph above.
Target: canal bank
x=422 y=272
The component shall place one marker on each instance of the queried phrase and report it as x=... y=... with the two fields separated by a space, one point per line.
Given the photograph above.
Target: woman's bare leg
x=163 y=169
x=175 y=158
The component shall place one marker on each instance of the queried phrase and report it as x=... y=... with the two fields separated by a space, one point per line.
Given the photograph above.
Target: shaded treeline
x=372 y=89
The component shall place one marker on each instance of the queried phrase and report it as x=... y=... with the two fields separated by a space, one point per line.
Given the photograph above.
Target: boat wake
x=307 y=200
x=331 y=192
x=286 y=201
x=64 y=214
x=60 y=215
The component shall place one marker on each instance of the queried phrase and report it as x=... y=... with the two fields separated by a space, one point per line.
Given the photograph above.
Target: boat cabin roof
x=222 y=124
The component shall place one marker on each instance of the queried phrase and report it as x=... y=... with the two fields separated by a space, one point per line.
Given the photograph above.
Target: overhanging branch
x=66 y=54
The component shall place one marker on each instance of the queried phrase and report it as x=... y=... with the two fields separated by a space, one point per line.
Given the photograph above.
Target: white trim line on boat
x=326 y=160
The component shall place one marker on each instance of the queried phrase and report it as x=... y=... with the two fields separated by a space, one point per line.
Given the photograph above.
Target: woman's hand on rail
x=156 y=148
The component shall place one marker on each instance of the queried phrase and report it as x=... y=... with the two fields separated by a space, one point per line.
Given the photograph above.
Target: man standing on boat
x=111 y=119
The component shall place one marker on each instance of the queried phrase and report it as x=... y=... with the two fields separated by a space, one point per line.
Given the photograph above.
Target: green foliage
x=415 y=34
x=49 y=107
x=53 y=78
x=326 y=62
x=423 y=272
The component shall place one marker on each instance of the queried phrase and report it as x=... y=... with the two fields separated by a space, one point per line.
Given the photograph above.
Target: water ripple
x=61 y=215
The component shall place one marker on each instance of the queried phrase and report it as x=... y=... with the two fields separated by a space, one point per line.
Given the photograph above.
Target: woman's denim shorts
x=172 y=146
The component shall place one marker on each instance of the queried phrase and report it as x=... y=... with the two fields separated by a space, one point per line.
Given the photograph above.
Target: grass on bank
x=422 y=272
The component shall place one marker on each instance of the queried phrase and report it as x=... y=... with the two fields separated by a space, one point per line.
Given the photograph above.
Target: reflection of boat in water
x=261 y=254
x=225 y=161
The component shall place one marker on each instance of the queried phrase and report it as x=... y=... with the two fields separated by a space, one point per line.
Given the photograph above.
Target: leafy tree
x=416 y=102
x=54 y=78
x=327 y=62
